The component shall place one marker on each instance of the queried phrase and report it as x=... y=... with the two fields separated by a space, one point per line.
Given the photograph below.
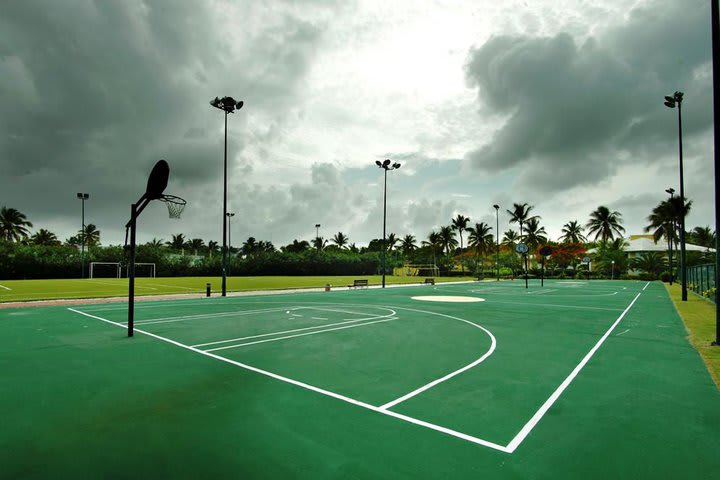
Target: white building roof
x=643 y=244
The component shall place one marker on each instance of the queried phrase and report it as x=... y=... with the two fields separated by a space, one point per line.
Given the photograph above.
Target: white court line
x=646 y=285
x=446 y=377
x=291 y=331
x=198 y=289
x=542 y=291
x=525 y=431
x=399 y=416
x=623 y=332
x=184 y=318
x=299 y=335
x=6 y=288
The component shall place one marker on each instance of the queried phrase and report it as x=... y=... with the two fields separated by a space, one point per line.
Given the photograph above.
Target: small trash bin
x=327 y=287
x=207 y=289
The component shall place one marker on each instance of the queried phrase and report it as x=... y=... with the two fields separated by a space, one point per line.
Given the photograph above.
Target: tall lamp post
x=497 y=242
x=82 y=197
x=672 y=102
x=671 y=237
x=227 y=105
x=387 y=167
x=715 y=40
x=317 y=235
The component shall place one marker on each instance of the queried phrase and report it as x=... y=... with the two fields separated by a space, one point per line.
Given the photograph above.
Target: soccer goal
x=104 y=270
x=145 y=270
x=417 y=270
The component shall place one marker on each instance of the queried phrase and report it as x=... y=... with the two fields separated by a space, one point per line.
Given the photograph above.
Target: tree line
x=459 y=247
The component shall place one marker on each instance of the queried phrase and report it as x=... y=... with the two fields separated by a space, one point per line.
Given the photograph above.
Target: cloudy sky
x=557 y=103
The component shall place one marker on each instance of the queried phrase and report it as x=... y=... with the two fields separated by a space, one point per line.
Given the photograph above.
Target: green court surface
x=468 y=380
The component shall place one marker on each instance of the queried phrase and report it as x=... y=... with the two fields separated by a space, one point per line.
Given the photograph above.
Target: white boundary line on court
x=6 y=288
x=328 y=393
x=525 y=430
x=509 y=448
x=376 y=317
x=298 y=335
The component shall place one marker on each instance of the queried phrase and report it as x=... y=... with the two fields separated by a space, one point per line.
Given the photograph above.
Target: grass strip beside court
x=698 y=314
x=32 y=290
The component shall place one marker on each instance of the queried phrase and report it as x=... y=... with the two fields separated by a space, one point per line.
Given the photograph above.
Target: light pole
x=227 y=105
x=672 y=102
x=671 y=237
x=385 y=166
x=317 y=235
x=497 y=242
x=82 y=197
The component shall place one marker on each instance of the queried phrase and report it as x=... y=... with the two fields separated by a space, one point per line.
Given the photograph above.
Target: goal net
x=143 y=270
x=104 y=270
x=417 y=270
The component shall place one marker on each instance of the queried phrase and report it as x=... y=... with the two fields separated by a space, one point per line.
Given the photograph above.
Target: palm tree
x=296 y=246
x=534 y=234
x=447 y=240
x=702 y=236
x=390 y=241
x=480 y=239
x=249 y=246
x=407 y=244
x=572 y=233
x=605 y=224
x=459 y=223
x=196 y=244
x=177 y=242
x=434 y=241
x=13 y=225
x=91 y=235
x=155 y=243
x=213 y=247
x=319 y=243
x=520 y=214
x=650 y=262
x=265 y=246
x=510 y=241
x=340 y=239
x=45 y=237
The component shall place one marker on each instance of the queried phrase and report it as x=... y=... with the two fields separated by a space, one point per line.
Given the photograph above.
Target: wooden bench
x=359 y=283
x=429 y=281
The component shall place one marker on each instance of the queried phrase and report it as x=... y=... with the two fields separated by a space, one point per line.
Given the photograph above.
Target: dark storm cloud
x=94 y=93
x=575 y=111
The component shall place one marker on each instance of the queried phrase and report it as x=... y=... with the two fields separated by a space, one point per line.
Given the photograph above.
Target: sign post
x=545 y=251
x=522 y=249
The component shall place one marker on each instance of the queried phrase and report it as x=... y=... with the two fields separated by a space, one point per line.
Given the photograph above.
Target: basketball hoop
x=175 y=205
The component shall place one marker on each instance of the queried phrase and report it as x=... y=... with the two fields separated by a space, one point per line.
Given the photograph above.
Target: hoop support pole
x=131 y=270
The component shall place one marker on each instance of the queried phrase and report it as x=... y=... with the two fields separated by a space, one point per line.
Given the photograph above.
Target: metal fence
x=701 y=280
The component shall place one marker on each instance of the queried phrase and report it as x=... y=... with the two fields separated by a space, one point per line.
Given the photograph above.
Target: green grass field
x=698 y=314
x=29 y=290
x=572 y=380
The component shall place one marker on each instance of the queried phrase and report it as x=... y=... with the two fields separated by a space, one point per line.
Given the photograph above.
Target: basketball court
x=592 y=379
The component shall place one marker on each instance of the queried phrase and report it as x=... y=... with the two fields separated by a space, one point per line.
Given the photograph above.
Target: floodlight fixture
x=671 y=191
x=228 y=105
x=676 y=101
x=386 y=162
x=396 y=166
x=377 y=162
